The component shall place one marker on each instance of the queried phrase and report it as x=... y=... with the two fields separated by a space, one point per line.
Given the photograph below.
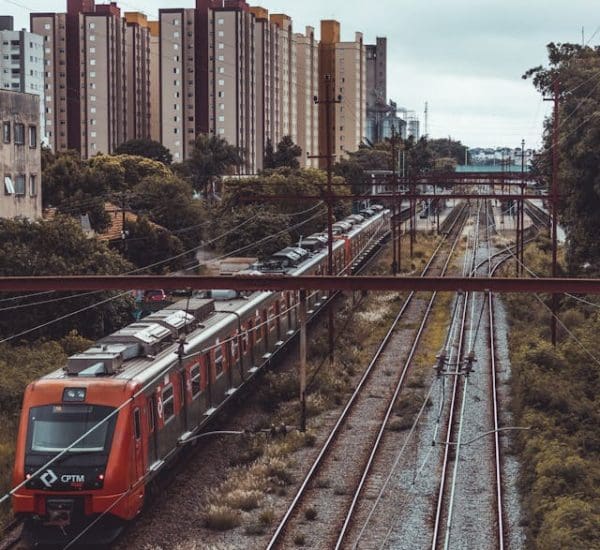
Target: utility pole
x=394 y=201
x=329 y=103
x=521 y=247
x=554 y=197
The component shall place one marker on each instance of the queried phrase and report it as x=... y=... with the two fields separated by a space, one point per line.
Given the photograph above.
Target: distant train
x=121 y=411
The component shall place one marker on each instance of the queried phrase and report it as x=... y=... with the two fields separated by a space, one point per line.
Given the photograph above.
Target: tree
x=447 y=148
x=145 y=148
x=59 y=247
x=269 y=159
x=169 y=203
x=263 y=218
x=287 y=154
x=575 y=67
x=148 y=244
x=211 y=157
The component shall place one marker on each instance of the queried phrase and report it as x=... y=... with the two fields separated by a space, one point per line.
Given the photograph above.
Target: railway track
x=352 y=435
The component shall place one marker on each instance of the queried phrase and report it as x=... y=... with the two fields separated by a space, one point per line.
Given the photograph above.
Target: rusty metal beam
x=279 y=283
x=403 y=196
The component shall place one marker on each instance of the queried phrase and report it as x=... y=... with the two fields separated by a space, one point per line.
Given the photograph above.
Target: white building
x=21 y=62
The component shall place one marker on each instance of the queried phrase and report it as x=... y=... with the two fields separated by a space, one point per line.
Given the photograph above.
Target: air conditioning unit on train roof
x=150 y=338
x=99 y=359
x=199 y=308
x=177 y=321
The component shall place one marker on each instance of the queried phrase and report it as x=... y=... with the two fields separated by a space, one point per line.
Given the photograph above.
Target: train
x=94 y=434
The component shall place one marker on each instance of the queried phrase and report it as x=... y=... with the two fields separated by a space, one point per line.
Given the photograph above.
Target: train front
x=85 y=491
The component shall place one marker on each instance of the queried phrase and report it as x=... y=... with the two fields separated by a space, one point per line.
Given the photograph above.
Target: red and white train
x=94 y=433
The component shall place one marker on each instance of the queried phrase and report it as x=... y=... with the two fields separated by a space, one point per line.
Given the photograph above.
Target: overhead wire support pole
x=521 y=257
x=396 y=231
x=329 y=103
x=554 y=199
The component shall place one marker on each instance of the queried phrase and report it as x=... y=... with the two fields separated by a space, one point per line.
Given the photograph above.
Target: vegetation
x=555 y=392
x=286 y=155
x=279 y=217
x=59 y=247
x=211 y=158
x=575 y=68
x=145 y=148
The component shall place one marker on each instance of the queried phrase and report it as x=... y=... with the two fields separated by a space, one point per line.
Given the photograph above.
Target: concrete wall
x=20 y=162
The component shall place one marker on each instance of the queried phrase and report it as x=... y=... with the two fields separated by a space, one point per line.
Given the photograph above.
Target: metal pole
x=554 y=204
x=394 y=200
x=521 y=248
x=329 y=136
x=302 y=319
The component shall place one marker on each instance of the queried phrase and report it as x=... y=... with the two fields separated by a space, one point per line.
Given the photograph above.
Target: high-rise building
x=138 y=66
x=285 y=56
x=97 y=81
x=21 y=61
x=155 y=80
x=307 y=88
x=177 y=63
x=342 y=74
x=20 y=158
x=226 y=75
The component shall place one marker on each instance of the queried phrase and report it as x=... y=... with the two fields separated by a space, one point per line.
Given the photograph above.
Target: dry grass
x=221 y=518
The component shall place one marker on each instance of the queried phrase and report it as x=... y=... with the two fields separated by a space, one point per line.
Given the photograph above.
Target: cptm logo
x=48 y=478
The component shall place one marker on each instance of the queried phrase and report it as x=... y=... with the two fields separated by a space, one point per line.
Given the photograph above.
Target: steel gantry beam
x=281 y=283
x=402 y=196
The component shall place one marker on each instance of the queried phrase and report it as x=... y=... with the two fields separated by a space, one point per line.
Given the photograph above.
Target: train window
x=271 y=318
x=168 y=403
x=258 y=330
x=136 y=424
x=219 y=360
x=245 y=342
x=195 y=378
x=234 y=346
x=150 y=415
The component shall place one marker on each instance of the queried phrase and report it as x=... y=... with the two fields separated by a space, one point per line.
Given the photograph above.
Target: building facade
x=307 y=88
x=20 y=156
x=97 y=76
x=21 y=61
x=342 y=77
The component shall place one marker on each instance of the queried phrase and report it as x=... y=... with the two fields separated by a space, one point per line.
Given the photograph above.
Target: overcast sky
x=464 y=57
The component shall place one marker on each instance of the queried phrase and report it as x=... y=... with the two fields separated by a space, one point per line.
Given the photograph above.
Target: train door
x=152 y=441
x=137 y=444
x=183 y=401
x=251 y=342
x=206 y=365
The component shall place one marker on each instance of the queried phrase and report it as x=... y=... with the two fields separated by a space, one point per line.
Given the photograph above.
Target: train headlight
x=74 y=394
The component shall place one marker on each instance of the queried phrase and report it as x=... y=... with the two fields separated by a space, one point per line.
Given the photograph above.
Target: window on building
x=20 y=185
x=47 y=26
x=222 y=106
x=221 y=70
x=92 y=25
x=92 y=50
x=221 y=46
x=33 y=185
x=176 y=34
x=32 y=136
x=221 y=58
x=19 y=134
x=6 y=132
x=221 y=131
x=9 y=188
x=220 y=21
x=92 y=61
x=92 y=74
x=221 y=118
x=92 y=38
x=221 y=34
x=221 y=82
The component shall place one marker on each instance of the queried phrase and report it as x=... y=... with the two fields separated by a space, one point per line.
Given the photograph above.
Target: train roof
x=143 y=349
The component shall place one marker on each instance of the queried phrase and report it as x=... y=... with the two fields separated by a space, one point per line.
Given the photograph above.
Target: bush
x=240 y=499
x=299 y=539
x=310 y=513
x=221 y=518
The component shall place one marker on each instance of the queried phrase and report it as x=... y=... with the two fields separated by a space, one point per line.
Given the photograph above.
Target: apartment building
x=20 y=157
x=155 y=81
x=177 y=75
x=226 y=75
x=96 y=79
x=285 y=76
x=307 y=88
x=342 y=74
x=21 y=61
x=137 y=70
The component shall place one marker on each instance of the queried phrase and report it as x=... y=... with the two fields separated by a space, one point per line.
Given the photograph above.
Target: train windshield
x=54 y=428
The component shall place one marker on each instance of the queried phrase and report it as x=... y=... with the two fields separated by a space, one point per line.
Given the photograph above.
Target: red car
x=155 y=296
